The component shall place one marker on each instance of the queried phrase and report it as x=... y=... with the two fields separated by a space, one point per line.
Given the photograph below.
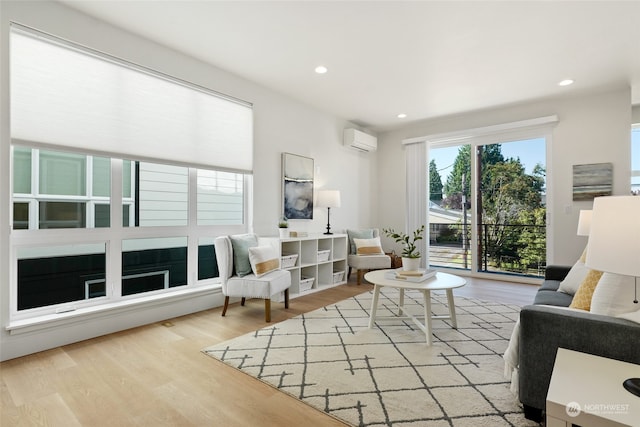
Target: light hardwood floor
x=155 y=375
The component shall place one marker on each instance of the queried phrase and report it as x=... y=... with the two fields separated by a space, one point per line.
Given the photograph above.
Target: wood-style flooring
x=155 y=375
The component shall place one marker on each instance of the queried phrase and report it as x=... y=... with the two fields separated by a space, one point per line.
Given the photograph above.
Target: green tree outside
x=435 y=182
x=513 y=214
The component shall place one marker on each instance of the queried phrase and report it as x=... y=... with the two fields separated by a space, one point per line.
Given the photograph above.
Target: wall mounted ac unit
x=360 y=140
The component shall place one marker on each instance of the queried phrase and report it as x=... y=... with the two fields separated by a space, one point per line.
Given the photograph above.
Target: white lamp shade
x=614 y=239
x=329 y=198
x=584 y=222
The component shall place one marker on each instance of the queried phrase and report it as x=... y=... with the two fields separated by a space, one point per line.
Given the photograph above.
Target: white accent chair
x=249 y=286
x=364 y=263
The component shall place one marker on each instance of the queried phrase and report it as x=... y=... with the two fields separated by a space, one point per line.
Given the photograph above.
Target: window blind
x=69 y=96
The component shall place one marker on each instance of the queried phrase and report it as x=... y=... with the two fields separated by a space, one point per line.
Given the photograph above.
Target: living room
x=592 y=127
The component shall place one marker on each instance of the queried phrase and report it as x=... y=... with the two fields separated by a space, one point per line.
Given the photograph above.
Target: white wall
x=592 y=128
x=280 y=125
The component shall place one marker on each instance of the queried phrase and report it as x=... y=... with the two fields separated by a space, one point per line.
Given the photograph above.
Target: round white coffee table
x=441 y=281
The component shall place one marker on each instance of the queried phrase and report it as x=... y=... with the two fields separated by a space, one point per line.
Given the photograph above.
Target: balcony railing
x=508 y=249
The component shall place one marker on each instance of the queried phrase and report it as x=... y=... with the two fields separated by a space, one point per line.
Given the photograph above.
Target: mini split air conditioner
x=360 y=140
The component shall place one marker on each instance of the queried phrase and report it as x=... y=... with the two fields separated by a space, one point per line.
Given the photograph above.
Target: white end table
x=441 y=281
x=587 y=390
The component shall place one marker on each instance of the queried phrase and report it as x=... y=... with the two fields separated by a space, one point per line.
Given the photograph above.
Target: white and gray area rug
x=388 y=376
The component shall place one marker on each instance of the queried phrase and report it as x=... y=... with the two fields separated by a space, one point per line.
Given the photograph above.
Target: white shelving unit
x=308 y=265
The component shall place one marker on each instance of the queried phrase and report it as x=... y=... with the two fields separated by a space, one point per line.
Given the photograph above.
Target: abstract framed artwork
x=297 y=186
x=590 y=181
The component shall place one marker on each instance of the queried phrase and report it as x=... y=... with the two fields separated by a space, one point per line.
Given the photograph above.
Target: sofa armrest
x=543 y=329
x=556 y=272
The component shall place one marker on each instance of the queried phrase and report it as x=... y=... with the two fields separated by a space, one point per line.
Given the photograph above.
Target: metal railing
x=509 y=249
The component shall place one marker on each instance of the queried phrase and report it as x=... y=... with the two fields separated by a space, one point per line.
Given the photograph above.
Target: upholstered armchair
x=366 y=257
x=250 y=271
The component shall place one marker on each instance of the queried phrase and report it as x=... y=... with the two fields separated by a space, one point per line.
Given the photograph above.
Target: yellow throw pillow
x=582 y=298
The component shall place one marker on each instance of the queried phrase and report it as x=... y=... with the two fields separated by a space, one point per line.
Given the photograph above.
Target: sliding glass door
x=487 y=207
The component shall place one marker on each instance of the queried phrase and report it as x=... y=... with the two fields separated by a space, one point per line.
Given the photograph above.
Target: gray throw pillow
x=241 y=244
x=358 y=234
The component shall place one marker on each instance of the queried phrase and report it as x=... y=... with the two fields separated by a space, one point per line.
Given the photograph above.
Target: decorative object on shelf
x=288 y=260
x=329 y=199
x=614 y=245
x=323 y=255
x=590 y=181
x=297 y=186
x=410 y=253
x=306 y=283
x=283 y=227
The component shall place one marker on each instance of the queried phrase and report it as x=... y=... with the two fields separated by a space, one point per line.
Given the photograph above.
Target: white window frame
x=112 y=238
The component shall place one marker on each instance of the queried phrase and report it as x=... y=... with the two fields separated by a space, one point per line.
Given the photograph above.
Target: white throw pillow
x=574 y=278
x=263 y=259
x=614 y=295
x=368 y=246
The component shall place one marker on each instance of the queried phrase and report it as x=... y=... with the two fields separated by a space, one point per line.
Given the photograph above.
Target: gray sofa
x=544 y=328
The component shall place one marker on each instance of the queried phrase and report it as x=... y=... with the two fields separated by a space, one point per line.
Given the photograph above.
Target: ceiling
x=426 y=59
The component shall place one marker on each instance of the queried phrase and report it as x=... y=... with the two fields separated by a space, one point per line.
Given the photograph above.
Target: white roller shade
x=67 y=96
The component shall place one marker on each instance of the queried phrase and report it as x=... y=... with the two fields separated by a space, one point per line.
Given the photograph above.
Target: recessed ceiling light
x=402 y=115
x=321 y=69
x=565 y=82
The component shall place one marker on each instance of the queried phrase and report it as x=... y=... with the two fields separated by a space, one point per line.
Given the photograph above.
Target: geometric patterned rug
x=388 y=376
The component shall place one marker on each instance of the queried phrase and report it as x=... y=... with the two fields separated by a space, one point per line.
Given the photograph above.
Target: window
x=153 y=264
x=220 y=198
x=60 y=274
x=509 y=207
x=137 y=218
x=162 y=194
x=76 y=194
x=52 y=189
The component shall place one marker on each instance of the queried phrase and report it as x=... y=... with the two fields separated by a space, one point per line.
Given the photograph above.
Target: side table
x=587 y=390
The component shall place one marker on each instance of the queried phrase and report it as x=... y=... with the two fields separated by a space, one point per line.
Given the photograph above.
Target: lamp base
x=632 y=385
x=328 y=224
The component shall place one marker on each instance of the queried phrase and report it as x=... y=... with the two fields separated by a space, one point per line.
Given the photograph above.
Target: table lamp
x=584 y=222
x=328 y=199
x=614 y=245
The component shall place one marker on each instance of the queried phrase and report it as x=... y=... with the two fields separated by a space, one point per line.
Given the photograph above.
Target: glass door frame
x=516 y=131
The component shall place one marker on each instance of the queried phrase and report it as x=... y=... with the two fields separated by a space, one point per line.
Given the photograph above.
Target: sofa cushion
x=241 y=244
x=550 y=285
x=263 y=259
x=614 y=295
x=552 y=297
x=582 y=298
x=251 y=286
